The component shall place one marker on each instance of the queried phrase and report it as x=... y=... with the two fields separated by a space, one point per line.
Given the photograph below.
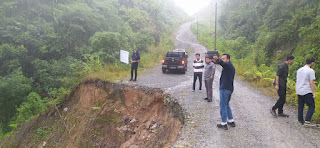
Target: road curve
x=255 y=126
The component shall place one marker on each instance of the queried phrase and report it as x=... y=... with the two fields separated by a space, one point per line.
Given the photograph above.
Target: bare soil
x=104 y=114
x=255 y=127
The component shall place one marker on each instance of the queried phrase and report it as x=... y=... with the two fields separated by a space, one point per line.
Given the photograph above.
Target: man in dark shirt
x=135 y=59
x=281 y=87
x=226 y=89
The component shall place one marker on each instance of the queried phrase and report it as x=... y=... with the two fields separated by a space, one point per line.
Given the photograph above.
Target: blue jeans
x=225 y=110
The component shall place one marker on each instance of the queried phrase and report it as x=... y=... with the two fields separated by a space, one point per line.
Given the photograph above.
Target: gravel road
x=255 y=127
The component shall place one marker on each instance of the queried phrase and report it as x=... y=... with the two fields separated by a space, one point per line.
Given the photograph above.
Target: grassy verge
x=261 y=77
x=118 y=71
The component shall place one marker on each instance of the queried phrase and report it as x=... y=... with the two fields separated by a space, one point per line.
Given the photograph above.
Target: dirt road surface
x=255 y=127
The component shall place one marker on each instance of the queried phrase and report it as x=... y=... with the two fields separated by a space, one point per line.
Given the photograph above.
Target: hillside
x=104 y=114
x=47 y=48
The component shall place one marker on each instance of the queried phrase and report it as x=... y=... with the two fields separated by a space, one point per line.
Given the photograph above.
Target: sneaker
x=205 y=98
x=232 y=124
x=130 y=80
x=135 y=80
x=309 y=124
x=225 y=127
x=273 y=113
x=283 y=115
x=209 y=100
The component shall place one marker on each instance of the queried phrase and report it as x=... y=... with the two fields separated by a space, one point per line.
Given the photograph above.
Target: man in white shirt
x=306 y=91
x=198 y=66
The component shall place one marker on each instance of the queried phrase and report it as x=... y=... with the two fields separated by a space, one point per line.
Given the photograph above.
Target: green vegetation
x=47 y=48
x=43 y=133
x=260 y=34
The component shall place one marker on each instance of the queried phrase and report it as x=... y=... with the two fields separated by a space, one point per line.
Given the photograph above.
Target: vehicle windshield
x=175 y=54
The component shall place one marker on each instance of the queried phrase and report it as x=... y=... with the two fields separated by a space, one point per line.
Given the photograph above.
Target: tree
x=11 y=58
x=13 y=89
x=32 y=107
x=108 y=44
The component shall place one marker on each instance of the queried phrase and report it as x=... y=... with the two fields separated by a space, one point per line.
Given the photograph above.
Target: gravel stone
x=255 y=125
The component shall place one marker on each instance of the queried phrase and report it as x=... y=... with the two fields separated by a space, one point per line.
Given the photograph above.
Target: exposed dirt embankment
x=105 y=114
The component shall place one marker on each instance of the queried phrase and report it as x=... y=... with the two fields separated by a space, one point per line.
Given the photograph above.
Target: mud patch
x=105 y=114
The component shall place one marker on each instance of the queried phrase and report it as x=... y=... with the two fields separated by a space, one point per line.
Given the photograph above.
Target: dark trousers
x=306 y=99
x=134 y=67
x=195 y=76
x=208 y=85
x=282 y=92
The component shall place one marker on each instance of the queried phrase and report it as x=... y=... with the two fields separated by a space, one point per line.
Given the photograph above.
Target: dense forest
x=47 y=47
x=259 y=34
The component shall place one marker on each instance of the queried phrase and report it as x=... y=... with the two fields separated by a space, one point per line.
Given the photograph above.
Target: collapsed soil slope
x=105 y=114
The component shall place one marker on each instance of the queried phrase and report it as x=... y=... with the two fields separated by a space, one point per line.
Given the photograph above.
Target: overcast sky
x=192 y=6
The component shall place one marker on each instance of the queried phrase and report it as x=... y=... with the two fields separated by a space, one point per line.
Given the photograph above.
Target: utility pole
x=215 y=28
x=197 y=29
x=211 y=13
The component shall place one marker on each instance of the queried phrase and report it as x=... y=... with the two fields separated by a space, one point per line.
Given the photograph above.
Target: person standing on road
x=281 y=87
x=198 y=66
x=135 y=59
x=226 y=90
x=306 y=91
x=209 y=71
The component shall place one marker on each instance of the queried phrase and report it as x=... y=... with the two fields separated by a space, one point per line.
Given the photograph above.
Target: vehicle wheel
x=183 y=71
x=164 y=70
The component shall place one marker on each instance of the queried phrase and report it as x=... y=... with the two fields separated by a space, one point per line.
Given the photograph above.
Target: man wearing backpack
x=281 y=87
